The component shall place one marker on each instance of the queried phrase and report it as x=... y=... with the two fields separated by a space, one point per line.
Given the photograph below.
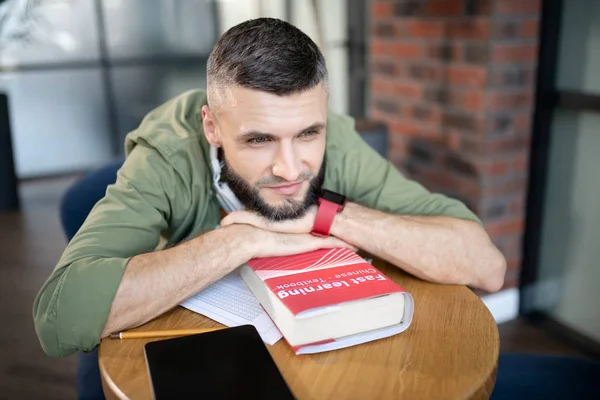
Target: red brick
x=468 y=190
x=513 y=75
x=497 y=168
x=405 y=128
x=426 y=114
x=424 y=72
x=382 y=9
x=482 y=7
x=378 y=47
x=510 y=245
x=463 y=121
x=501 y=228
x=380 y=86
x=514 y=7
x=398 y=144
x=509 y=101
x=444 y=51
x=406 y=89
x=384 y=68
x=473 y=100
x=511 y=187
x=438 y=179
x=426 y=29
x=458 y=52
x=407 y=50
x=396 y=137
x=444 y=8
x=388 y=105
x=521 y=162
x=530 y=29
x=378 y=115
x=472 y=76
x=460 y=165
x=386 y=29
x=454 y=141
x=475 y=53
x=513 y=264
x=506 y=29
x=517 y=207
x=401 y=69
x=511 y=279
x=514 y=53
x=486 y=146
x=523 y=121
x=475 y=29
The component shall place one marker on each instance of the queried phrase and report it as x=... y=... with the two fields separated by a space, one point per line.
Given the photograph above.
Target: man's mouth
x=286 y=189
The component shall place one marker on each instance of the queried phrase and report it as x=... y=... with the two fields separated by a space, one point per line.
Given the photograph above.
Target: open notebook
x=230 y=302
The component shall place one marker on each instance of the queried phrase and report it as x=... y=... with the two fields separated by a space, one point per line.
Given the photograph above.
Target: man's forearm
x=153 y=283
x=438 y=249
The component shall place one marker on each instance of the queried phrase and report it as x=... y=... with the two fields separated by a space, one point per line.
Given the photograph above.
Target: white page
x=230 y=302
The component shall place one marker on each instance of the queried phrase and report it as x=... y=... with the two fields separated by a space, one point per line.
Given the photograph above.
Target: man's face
x=274 y=148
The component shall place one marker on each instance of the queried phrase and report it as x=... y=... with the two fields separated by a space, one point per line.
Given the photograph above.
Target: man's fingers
x=241 y=217
x=335 y=242
x=332 y=242
x=245 y=217
x=282 y=244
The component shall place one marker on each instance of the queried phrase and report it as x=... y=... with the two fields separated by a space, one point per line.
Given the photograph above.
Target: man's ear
x=210 y=127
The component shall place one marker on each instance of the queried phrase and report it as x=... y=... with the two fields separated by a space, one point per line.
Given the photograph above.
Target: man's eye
x=259 y=139
x=308 y=134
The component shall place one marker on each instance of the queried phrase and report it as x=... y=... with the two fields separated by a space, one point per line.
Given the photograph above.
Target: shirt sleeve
x=72 y=307
x=368 y=179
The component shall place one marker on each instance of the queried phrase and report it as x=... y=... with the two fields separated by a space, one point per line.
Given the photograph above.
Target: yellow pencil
x=168 y=332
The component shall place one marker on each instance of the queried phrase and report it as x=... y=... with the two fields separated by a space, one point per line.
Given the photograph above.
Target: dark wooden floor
x=31 y=242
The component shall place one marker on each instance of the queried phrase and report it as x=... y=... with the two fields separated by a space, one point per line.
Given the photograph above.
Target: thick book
x=328 y=299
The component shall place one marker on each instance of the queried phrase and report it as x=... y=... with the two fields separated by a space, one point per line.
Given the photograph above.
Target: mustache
x=277 y=180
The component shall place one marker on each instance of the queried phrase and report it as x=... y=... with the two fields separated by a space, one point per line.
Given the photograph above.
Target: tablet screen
x=231 y=363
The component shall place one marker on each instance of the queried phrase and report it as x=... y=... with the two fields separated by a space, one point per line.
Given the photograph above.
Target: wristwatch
x=330 y=203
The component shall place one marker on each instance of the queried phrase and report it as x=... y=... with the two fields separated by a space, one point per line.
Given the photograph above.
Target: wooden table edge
x=109 y=387
x=483 y=390
x=486 y=388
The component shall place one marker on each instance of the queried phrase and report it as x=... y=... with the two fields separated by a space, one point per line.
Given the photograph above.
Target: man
x=259 y=144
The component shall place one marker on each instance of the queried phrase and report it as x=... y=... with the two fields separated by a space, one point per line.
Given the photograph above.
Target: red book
x=328 y=299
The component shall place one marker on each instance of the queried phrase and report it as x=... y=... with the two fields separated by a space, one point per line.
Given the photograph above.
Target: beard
x=250 y=197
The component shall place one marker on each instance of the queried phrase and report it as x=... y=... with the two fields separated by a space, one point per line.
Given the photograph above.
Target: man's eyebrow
x=317 y=126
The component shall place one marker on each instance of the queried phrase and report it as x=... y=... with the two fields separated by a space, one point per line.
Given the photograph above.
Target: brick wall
x=454 y=81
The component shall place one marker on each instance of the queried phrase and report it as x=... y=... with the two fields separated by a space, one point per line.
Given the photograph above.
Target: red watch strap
x=325 y=216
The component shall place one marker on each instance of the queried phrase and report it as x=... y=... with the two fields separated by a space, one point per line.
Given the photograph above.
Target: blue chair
x=531 y=376
x=76 y=204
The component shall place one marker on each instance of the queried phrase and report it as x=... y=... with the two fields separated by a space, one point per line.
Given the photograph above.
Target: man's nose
x=287 y=164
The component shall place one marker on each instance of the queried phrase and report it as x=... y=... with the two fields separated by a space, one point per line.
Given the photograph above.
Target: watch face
x=333 y=197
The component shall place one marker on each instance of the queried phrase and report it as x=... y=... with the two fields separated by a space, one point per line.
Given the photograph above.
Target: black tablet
x=231 y=363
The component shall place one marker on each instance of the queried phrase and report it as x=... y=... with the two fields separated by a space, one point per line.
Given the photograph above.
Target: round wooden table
x=449 y=352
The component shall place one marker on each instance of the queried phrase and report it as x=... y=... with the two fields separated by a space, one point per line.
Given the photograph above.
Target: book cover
x=321 y=278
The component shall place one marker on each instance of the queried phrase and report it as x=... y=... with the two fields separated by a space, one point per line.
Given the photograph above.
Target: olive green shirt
x=164 y=194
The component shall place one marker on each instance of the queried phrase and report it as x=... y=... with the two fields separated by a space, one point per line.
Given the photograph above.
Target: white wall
x=59 y=117
x=59 y=120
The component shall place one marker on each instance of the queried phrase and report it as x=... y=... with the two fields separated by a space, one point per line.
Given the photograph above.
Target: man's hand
x=273 y=244
x=285 y=237
x=298 y=226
